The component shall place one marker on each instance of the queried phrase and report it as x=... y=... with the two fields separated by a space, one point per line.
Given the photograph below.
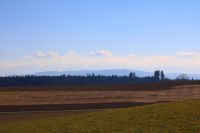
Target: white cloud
x=52 y=54
x=71 y=52
x=49 y=54
x=44 y=61
x=39 y=54
x=101 y=53
x=133 y=55
x=188 y=54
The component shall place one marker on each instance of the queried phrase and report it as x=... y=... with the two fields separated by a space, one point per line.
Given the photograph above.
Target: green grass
x=176 y=117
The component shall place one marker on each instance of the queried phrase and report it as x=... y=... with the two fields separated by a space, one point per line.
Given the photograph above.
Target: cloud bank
x=101 y=59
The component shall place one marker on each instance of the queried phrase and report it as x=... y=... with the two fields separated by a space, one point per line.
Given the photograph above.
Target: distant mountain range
x=108 y=72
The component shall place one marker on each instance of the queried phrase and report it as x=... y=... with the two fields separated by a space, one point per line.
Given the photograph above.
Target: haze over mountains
x=109 y=72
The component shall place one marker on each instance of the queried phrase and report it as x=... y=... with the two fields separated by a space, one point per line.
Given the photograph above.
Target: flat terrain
x=10 y=117
x=76 y=97
x=174 y=117
x=59 y=98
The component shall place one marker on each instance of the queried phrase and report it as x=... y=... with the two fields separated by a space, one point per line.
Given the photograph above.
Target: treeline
x=31 y=80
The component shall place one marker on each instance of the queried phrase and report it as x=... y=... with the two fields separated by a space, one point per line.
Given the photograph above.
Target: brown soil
x=56 y=107
x=38 y=97
x=47 y=98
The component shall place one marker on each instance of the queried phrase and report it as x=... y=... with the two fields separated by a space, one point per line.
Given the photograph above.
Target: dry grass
x=38 y=97
x=176 y=117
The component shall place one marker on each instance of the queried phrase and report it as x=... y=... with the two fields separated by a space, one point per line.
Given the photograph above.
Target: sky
x=62 y=35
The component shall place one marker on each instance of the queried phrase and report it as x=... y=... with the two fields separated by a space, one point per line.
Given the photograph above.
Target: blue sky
x=123 y=27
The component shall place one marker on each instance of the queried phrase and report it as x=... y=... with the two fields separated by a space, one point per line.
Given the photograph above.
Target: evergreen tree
x=162 y=75
x=90 y=79
x=157 y=75
x=132 y=75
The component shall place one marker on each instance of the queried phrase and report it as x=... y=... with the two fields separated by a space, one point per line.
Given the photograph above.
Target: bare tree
x=182 y=77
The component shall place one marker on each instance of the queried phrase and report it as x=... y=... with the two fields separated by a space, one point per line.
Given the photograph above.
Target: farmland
x=65 y=98
x=175 y=117
x=145 y=108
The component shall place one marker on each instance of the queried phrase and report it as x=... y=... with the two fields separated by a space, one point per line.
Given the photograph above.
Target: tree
x=162 y=75
x=157 y=75
x=90 y=79
x=182 y=77
x=132 y=75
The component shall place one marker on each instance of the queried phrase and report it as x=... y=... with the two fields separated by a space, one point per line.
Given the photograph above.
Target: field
x=146 y=108
x=175 y=117
x=76 y=98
